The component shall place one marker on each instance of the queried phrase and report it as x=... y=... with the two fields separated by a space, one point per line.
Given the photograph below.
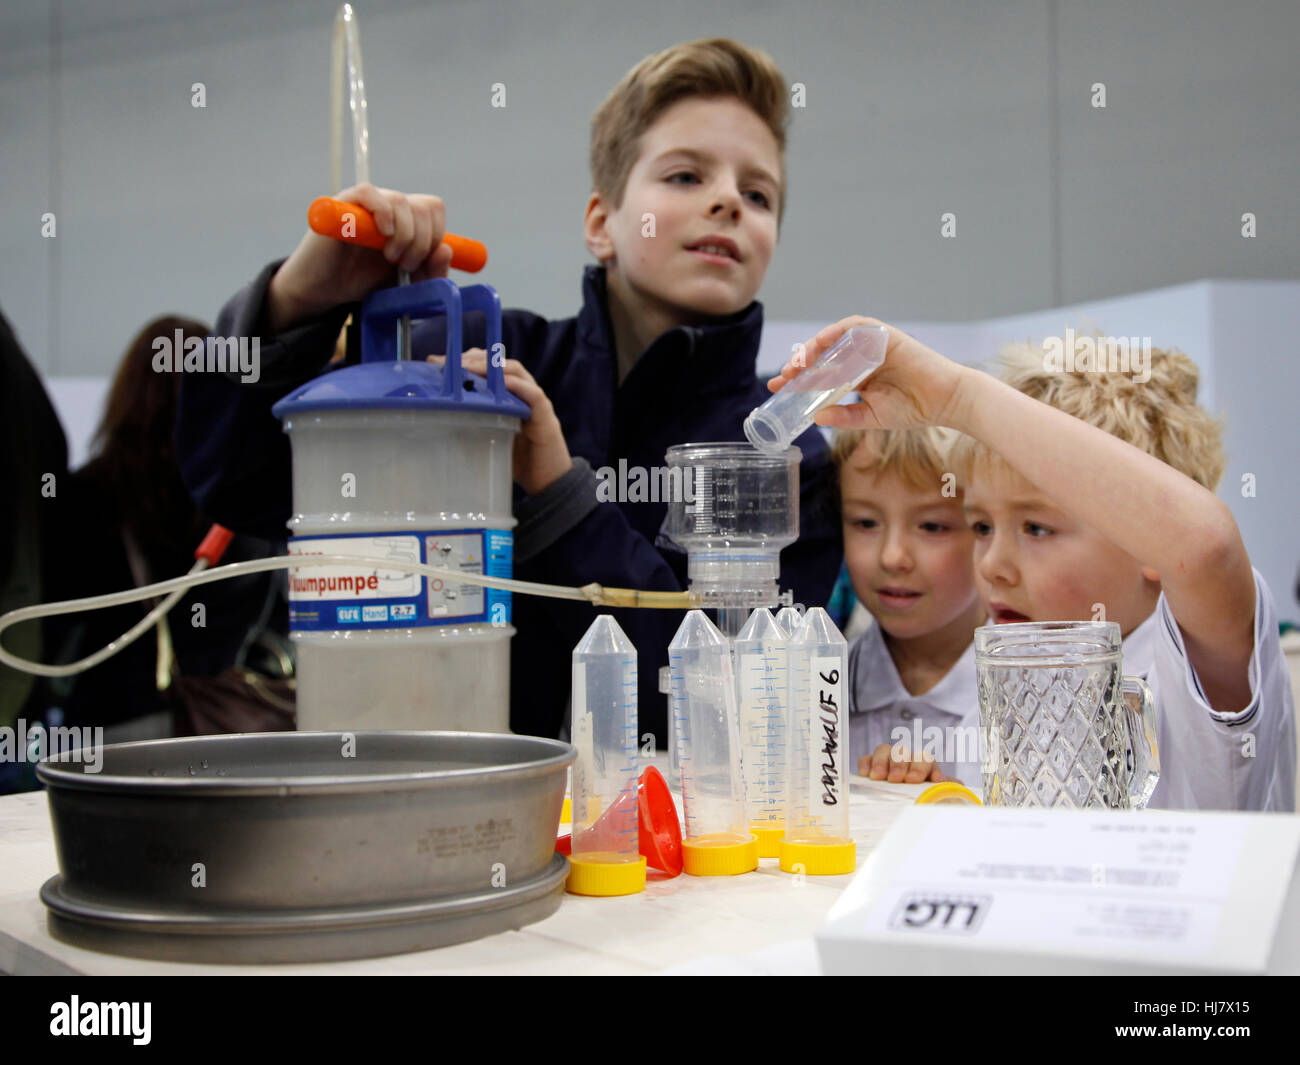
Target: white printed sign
x=1150 y=889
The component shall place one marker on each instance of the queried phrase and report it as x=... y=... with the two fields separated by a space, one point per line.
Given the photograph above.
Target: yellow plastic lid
x=949 y=793
x=566 y=812
x=605 y=878
x=769 y=835
x=719 y=856
x=834 y=857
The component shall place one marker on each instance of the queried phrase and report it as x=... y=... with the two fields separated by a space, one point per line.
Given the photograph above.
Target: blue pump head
x=382 y=382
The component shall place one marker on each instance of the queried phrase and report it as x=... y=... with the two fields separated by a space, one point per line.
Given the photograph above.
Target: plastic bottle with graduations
x=703 y=699
x=790 y=620
x=817 y=839
x=606 y=858
x=761 y=651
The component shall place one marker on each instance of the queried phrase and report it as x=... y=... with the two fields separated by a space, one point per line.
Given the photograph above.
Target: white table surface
x=696 y=924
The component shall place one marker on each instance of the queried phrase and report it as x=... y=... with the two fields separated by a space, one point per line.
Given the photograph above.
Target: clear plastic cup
x=777 y=423
x=606 y=857
x=817 y=839
x=761 y=651
x=703 y=699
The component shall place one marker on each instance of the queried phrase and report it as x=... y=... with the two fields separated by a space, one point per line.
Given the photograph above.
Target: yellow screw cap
x=834 y=857
x=769 y=835
x=949 y=793
x=605 y=877
x=719 y=856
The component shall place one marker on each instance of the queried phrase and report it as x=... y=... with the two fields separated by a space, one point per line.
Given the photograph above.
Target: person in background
x=33 y=467
x=126 y=519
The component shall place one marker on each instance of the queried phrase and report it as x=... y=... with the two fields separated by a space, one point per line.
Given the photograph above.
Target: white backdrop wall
x=981 y=108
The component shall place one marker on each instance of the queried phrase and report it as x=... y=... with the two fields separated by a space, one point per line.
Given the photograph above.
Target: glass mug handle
x=1140 y=719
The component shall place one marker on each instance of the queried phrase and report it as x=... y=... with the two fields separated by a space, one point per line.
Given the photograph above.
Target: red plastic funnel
x=659 y=830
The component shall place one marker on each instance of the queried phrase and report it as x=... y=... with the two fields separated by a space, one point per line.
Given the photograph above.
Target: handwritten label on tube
x=829 y=741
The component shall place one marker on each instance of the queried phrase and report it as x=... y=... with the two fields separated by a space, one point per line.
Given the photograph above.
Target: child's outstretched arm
x=1162 y=518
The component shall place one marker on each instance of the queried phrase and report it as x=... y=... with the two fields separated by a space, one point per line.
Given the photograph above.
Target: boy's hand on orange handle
x=915 y=386
x=324 y=273
x=894 y=764
x=351 y=222
x=541 y=456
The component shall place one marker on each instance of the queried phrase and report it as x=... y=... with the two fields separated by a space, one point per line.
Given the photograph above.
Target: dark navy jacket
x=693 y=384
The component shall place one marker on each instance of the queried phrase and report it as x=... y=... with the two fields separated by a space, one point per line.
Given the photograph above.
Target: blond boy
x=907 y=547
x=1090 y=495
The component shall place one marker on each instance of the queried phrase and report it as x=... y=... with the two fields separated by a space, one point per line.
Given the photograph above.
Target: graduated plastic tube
x=606 y=858
x=817 y=839
x=775 y=425
x=703 y=699
x=761 y=684
x=790 y=620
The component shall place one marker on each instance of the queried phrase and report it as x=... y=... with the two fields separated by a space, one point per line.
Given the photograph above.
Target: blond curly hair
x=1159 y=415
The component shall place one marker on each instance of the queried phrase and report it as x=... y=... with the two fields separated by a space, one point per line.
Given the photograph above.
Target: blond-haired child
x=913 y=712
x=1080 y=512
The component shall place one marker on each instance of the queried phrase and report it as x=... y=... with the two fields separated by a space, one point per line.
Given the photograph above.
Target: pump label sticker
x=369 y=595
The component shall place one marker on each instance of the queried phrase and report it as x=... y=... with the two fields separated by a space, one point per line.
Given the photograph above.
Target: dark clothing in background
x=693 y=384
x=125 y=687
x=32 y=446
x=61 y=538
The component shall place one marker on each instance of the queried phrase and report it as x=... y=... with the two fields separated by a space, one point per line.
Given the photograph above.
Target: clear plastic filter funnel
x=761 y=652
x=817 y=839
x=737 y=509
x=779 y=421
x=606 y=858
x=717 y=841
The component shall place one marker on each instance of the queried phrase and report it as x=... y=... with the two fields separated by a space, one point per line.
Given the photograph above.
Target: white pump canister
x=411 y=461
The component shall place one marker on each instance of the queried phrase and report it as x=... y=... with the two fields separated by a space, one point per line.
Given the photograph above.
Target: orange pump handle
x=353 y=223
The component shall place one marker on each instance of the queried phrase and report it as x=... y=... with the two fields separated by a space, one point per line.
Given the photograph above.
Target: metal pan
x=304 y=846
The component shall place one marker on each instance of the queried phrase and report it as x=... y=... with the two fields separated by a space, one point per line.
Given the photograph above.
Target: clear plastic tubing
x=346 y=53
x=717 y=840
x=606 y=857
x=761 y=652
x=817 y=839
x=777 y=423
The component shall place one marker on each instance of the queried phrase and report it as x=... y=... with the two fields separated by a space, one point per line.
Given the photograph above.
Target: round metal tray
x=302 y=846
x=306 y=935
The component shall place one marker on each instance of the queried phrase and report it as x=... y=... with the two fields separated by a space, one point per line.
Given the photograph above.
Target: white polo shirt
x=881 y=710
x=1208 y=760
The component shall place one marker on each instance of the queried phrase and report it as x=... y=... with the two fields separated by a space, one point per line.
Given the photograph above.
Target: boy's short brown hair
x=1159 y=415
x=717 y=67
x=919 y=457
